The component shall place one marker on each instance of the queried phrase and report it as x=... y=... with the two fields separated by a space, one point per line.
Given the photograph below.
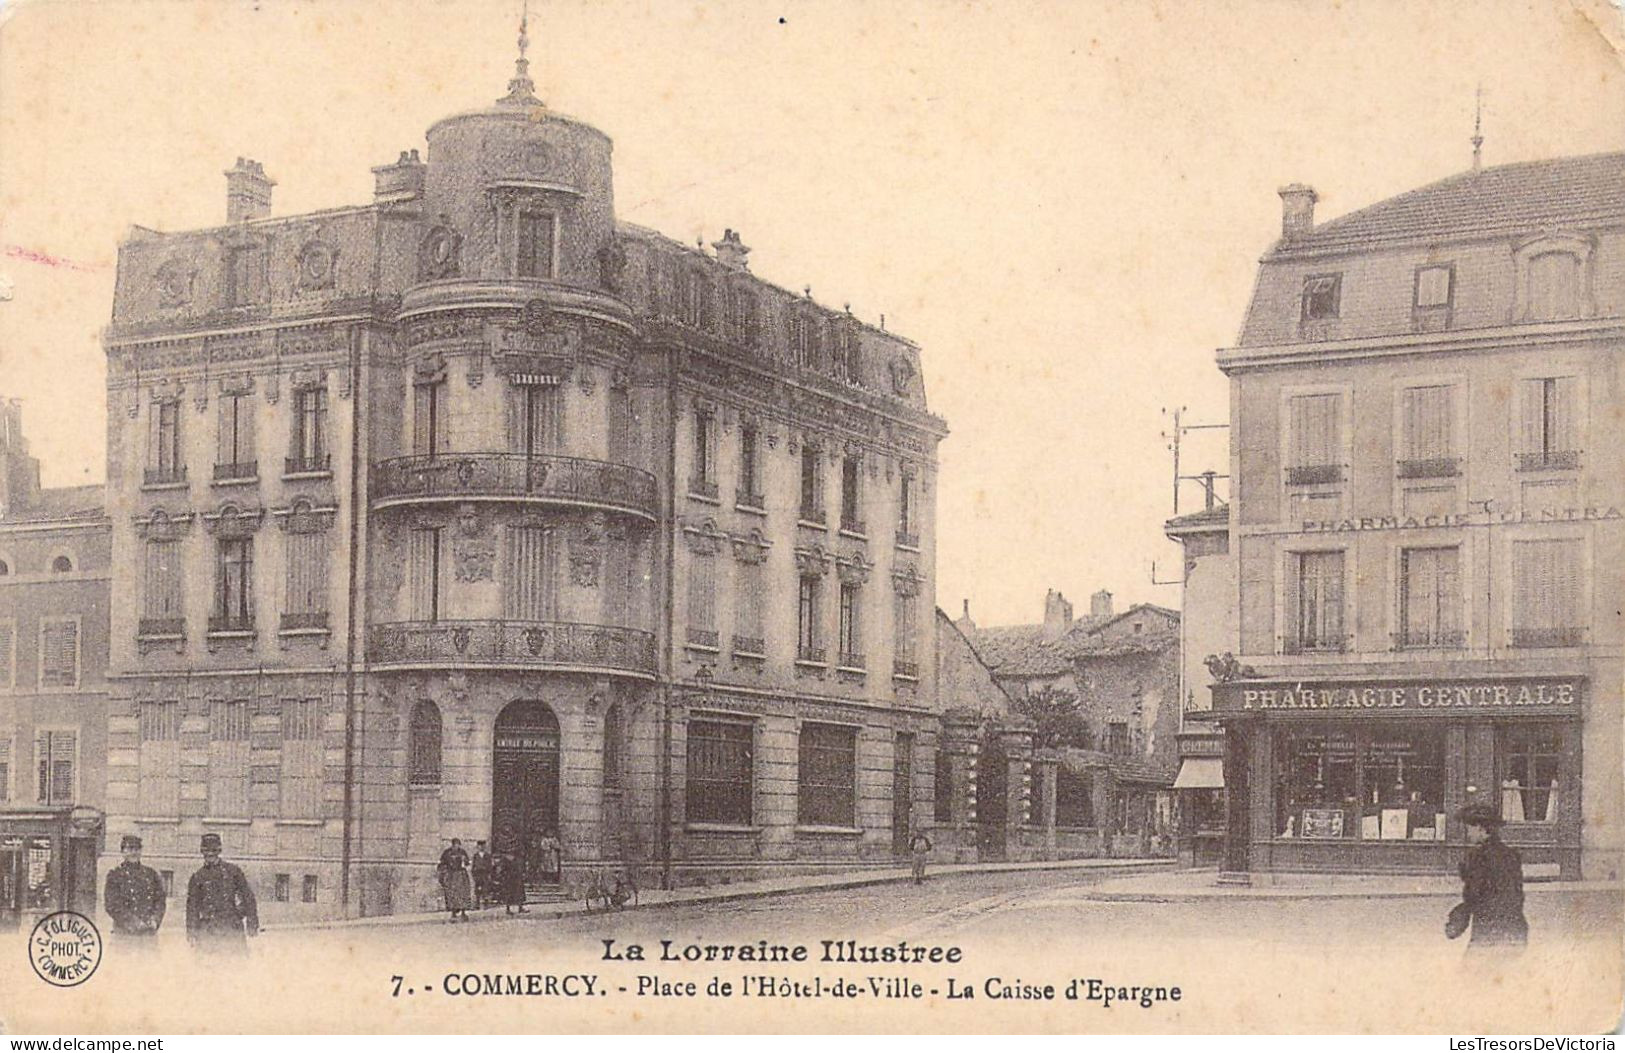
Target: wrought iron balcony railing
x=1430 y=468
x=748 y=499
x=1566 y=636
x=1549 y=461
x=161 y=627
x=236 y=471
x=853 y=660
x=854 y=525
x=315 y=465
x=541 y=477
x=705 y=488
x=172 y=476
x=1314 y=474
x=303 y=621
x=703 y=637
x=1316 y=645
x=512 y=643
x=908 y=539
x=750 y=646
x=1430 y=640
x=813 y=655
x=905 y=667
x=812 y=515
x=231 y=623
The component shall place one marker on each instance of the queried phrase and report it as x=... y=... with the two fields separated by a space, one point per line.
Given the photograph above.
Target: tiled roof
x=1217 y=516
x=1123 y=769
x=1020 y=650
x=61 y=502
x=1505 y=198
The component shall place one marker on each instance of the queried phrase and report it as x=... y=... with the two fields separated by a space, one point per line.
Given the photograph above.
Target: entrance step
x=551 y=893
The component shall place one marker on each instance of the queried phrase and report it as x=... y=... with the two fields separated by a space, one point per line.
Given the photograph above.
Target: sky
x=1062 y=203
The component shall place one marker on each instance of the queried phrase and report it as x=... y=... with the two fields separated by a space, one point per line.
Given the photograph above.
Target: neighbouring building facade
x=475 y=512
x=54 y=574
x=1112 y=793
x=1427 y=530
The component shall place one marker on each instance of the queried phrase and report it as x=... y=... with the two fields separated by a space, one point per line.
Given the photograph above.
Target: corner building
x=1427 y=528
x=473 y=512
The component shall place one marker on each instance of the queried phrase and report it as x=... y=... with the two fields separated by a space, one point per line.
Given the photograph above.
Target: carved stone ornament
x=317 y=263
x=751 y=547
x=438 y=253
x=620 y=380
x=474 y=549
x=430 y=369
x=175 y=279
x=163 y=526
x=233 y=522
x=812 y=561
x=305 y=518
x=168 y=390
x=200 y=397
x=907 y=580
x=301 y=379
x=537 y=317
x=587 y=550
x=273 y=387
x=237 y=384
x=705 y=538
x=854 y=568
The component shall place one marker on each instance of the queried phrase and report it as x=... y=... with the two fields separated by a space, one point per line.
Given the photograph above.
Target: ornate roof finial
x=1478 y=123
x=521 y=89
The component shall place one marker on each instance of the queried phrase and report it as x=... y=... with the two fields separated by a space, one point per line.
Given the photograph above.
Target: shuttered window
x=1547 y=425
x=5 y=770
x=719 y=778
x=59 y=653
x=423 y=573
x=161 y=595
x=228 y=758
x=702 y=591
x=160 y=763
x=748 y=601
x=1554 y=286
x=423 y=745
x=234 y=454
x=809 y=636
x=8 y=654
x=309 y=451
x=1315 y=595
x=535 y=418
x=533 y=256
x=1430 y=597
x=307 y=573
x=530 y=582
x=428 y=427
x=55 y=756
x=234 y=584
x=904 y=610
x=827 y=775
x=1429 y=423
x=1548 y=593
x=1315 y=431
x=164 y=439
x=302 y=758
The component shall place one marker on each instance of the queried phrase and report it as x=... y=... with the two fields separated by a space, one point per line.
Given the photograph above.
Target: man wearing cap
x=1492 y=882
x=220 y=910
x=135 y=897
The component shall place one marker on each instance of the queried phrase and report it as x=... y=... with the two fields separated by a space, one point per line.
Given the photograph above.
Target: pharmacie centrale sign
x=1442 y=697
x=1486 y=515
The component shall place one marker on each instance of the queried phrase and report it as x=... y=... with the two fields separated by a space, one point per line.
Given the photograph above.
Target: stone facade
x=475 y=512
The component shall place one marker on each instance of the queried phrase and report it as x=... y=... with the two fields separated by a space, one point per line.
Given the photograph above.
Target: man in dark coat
x=135 y=897
x=1492 y=882
x=481 y=865
x=220 y=909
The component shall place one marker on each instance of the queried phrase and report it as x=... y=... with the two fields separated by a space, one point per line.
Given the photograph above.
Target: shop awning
x=1200 y=773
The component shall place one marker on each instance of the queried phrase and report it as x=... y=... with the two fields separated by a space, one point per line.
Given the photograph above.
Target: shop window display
x=1530 y=757
x=1370 y=784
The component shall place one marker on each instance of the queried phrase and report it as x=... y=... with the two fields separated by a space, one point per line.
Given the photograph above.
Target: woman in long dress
x=510 y=879
x=455 y=880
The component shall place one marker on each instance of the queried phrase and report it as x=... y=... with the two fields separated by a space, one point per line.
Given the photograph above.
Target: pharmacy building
x=1427 y=528
x=475 y=512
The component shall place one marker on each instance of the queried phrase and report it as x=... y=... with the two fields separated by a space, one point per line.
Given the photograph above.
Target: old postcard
x=819 y=517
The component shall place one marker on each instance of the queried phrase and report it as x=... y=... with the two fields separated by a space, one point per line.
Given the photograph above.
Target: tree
x=1060 y=721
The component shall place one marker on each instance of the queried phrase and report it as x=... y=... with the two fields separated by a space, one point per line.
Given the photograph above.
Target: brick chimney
x=1100 y=607
x=401 y=181
x=965 y=624
x=248 y=192
x=731 y=252
x=1297 y=210
x=1057 y=615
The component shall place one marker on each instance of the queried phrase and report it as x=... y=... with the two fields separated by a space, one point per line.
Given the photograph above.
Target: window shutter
x=1532 y=415
x=5 y=769
x=1565 y=411
x=155 y=435
x=8 y=638
x=1449 y=590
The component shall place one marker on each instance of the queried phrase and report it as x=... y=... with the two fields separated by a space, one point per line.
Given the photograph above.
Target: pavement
x=654 y=899
x=1101 y=880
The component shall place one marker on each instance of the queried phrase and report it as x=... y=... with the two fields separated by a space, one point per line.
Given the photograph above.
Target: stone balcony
x=563 y=646
x=538 y=478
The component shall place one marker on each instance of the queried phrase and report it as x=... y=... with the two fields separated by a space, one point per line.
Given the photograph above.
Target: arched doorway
x=992 y=805
x=525 y=788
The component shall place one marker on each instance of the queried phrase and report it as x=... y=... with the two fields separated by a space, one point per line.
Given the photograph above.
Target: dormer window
x=1321 y=297
x=1554 y=287
x=1433 y=297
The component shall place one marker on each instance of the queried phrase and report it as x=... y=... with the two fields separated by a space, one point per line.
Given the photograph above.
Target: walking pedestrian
x=919 y=849
x=481 y=865
x=1492 y=886
x=552 y=856
x=135 y=898
x=455 y=882
x=220 y=909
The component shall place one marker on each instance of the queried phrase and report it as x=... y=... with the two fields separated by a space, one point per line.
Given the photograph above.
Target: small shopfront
x=47 y=861
x=1367 y=775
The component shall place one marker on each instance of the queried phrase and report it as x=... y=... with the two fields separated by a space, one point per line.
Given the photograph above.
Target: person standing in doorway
x=455 y=882
x=1492 y=885
x=510 y=880
x=135 y=898
x=220 y=909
